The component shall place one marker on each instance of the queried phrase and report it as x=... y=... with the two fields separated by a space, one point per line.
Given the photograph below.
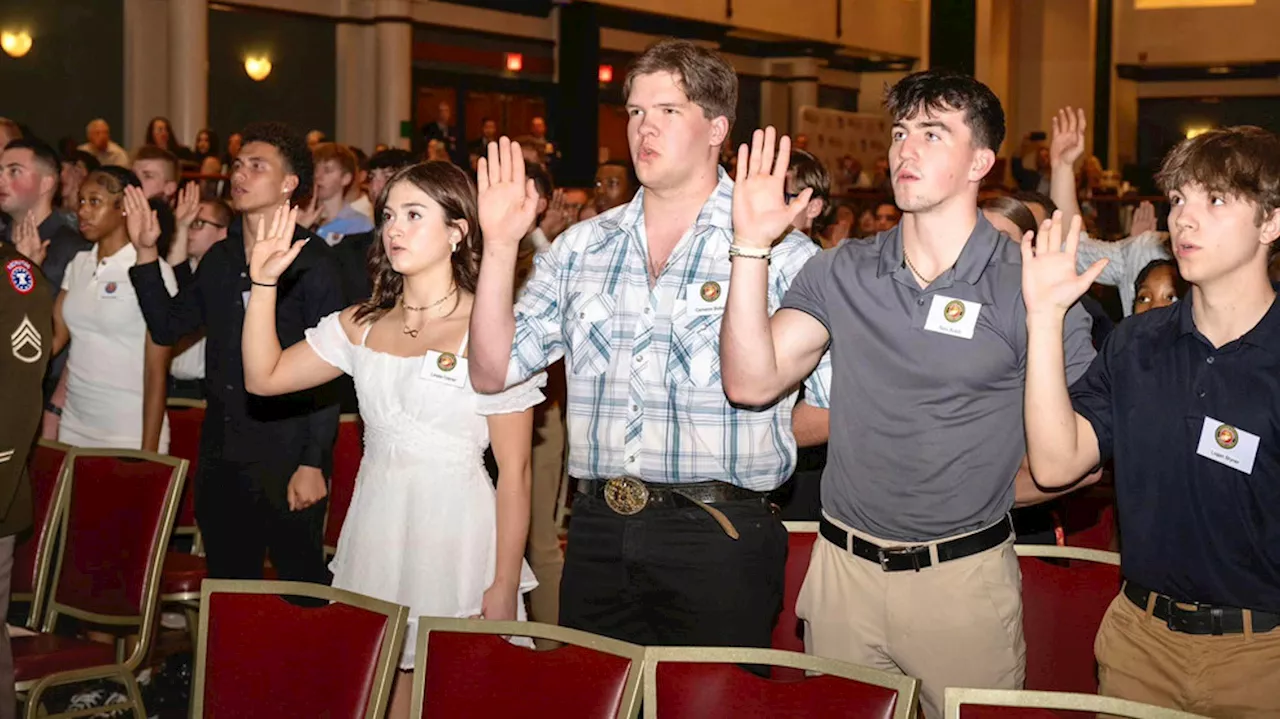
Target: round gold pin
x=710 y=291
x=954 y=311
x=1227 y=437
x=447 y=362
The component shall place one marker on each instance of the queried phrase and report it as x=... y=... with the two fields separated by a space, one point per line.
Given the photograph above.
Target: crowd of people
x=693 y=332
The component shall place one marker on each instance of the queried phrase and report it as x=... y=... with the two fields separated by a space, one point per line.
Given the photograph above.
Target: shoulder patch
x=21 y=276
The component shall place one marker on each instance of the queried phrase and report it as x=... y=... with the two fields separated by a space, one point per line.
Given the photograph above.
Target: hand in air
x=761 y=213
x=188 y=205
x=1068 y=136
x=140 y=219
x=26 y=238
x=1144 y=219
x=1050 y=282
x=273 y=246
x=508 y=201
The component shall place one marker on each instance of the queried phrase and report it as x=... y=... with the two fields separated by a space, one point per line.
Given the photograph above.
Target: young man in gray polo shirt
x=926 y=327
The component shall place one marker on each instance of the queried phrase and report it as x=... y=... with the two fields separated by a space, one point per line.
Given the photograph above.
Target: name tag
x=1228 y=445
x=445 y=367
x=707 y=298
x=108 y=289
x=950 y=316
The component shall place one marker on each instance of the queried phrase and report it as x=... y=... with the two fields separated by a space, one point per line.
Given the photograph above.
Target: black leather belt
x=668 y=495
x=915 y=557
x=1195 y=618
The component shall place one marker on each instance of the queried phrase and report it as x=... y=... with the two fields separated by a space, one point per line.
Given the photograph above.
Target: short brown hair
x=705 y=77
x=151 y=152
x=1241 y=162
x=333 y=151
x=812 y=174
x=221 y=211
x=11 y=128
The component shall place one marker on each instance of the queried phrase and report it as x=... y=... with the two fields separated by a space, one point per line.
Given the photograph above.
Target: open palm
x=1068 y=136
x=1050 y=282
x=140 y=220
x=761 y=213
x=273 y=246
x=508 y=202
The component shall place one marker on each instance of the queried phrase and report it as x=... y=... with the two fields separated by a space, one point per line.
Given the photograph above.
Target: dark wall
x=748 y=112
x=837 y=98
x=1163 y=122
x=301 y=87
x=74 y=71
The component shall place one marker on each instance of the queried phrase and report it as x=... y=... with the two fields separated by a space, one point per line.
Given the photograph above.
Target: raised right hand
x=1050 y=283
x=140 y=219
x=1068 y=137
x=188 y=205
x=26 y=239
x=273 y=248
x=508 y=201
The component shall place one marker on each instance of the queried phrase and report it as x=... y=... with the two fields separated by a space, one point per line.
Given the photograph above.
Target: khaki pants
x=955 y=624
x=1141 y=659
x=545 y=556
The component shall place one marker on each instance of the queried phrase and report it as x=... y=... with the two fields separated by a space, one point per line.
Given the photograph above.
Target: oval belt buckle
x=626 y=495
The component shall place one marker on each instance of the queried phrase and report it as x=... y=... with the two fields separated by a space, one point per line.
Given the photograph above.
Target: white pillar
x=395 y=70
x=188 y=68
x=146 y=69
x=357 y=91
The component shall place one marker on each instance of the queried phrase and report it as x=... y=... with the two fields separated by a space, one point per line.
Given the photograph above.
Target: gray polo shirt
x=926 y=425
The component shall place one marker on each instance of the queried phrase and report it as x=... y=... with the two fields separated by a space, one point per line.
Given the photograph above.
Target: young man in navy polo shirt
x=1184 y=399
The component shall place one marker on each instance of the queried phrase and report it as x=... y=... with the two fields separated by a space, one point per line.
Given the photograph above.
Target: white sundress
x=422 y=527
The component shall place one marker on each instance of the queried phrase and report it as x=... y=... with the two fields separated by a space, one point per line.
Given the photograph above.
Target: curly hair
x=292 y=147
x=453 y=190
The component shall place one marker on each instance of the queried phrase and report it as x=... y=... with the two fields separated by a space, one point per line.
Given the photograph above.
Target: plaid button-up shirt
x=643 y=363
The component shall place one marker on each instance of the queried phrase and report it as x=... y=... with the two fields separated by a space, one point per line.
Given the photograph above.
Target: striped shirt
x=643 y=363
x=1128 y=257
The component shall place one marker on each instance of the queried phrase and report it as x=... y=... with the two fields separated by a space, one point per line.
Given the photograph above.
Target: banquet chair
x=347 y=453
x=788 y=632
x=965 y=703
x=47 y=466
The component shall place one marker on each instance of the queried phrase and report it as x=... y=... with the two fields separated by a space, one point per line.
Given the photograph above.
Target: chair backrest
x=961 y=703
x=348 y=450
x=466 y=668
x=263 y=656
x=186 y=417
x=708 y=683
x=116 y=521
x=788 y=633
x=1065 y=593
x=47 y=466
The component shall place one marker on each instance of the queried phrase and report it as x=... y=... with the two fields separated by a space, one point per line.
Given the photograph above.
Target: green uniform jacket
x=26 y=339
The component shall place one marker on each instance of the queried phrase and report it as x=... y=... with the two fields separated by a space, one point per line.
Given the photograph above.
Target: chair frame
x=331 y=550
x=629 y=708
x=908 y=688
x=801 y=527
x=388 y=654
x=1052 y=551
x=1025 y=698
x=124 y=668
x=45 y=538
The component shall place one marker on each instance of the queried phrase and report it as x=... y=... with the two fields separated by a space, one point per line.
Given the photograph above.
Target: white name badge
x=1228 y=445
x=445 y=367
x=706 y=298
x=950 y=316
x=108 y=289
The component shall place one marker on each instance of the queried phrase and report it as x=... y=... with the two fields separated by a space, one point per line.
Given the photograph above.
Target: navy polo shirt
x=1193 y=528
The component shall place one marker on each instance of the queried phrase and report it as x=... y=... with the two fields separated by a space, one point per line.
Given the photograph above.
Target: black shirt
x=293 y=429
x=352 y=257
x=1194 y=529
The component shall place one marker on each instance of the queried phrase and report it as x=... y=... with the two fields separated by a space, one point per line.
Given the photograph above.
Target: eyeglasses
x=199 y=224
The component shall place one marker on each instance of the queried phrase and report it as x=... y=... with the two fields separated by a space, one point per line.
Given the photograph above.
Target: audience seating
x=347 y=453
x=968 y=703
x=465 y=668
x=186 y=417
x=115 y=522
x=47 y=467
x=708 y=683
x=788 y=633
x=263 y=656
x=1062 y=607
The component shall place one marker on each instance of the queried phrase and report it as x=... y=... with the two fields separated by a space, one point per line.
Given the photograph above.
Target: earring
x=454 y=246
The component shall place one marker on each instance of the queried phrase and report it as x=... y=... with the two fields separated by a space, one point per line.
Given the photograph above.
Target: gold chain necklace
x=410 y=308
x=917 y=273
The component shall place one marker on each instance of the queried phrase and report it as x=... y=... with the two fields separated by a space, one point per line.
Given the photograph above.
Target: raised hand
x=508 y=202
x=273 y=247
x=140 y=219
x=308 y=216
x=761 y=213
x=188 y=205
x=1049 y=280
x=1144 y=219
x=26 y=238
x=1067 y=144
x=557 y=217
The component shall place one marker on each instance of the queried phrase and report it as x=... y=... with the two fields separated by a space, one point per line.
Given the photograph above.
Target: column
x=357 y=91
x=146 y=69
x=1102 y=71
x=394 y=37
x=578 y=64
x=992 y=43
x=804 y=89
x=952 y=25
x=188 y=68
x=1053 y=44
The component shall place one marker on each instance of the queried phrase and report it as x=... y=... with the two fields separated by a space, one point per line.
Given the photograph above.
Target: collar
x=716 y=212
x=126 y=256
x=972 y=262
x=1265 y=334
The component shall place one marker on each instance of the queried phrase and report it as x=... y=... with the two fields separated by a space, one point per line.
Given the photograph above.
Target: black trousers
x=243 y=514
x=671 y=576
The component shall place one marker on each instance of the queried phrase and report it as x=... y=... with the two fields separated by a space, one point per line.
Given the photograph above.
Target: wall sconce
x=257 y=67
x=16 y=43
x=515 y=62
x=606 y=74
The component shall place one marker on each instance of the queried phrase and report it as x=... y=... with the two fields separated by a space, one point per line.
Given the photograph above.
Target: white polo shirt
x=106 y=365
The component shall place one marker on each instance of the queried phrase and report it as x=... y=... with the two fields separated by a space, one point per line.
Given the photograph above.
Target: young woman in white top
x=115 y=374
x=425 y=528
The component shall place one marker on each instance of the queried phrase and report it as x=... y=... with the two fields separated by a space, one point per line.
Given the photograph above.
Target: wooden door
x=612 y=128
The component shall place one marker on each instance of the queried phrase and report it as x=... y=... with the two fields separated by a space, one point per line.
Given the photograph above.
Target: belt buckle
x=626 y=495
x=914 y=552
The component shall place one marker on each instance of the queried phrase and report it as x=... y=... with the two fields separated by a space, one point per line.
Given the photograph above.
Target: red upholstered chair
x=465 y=668
x=1062 y=607
x=115 y=523
x=975 y=703
x=46 y=468
x=788 y=633
x=262 y=656
x=186 y=416
x=347 y=453
x=707 y=683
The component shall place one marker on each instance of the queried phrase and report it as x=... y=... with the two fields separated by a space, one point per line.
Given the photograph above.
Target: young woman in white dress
x=425 y=529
